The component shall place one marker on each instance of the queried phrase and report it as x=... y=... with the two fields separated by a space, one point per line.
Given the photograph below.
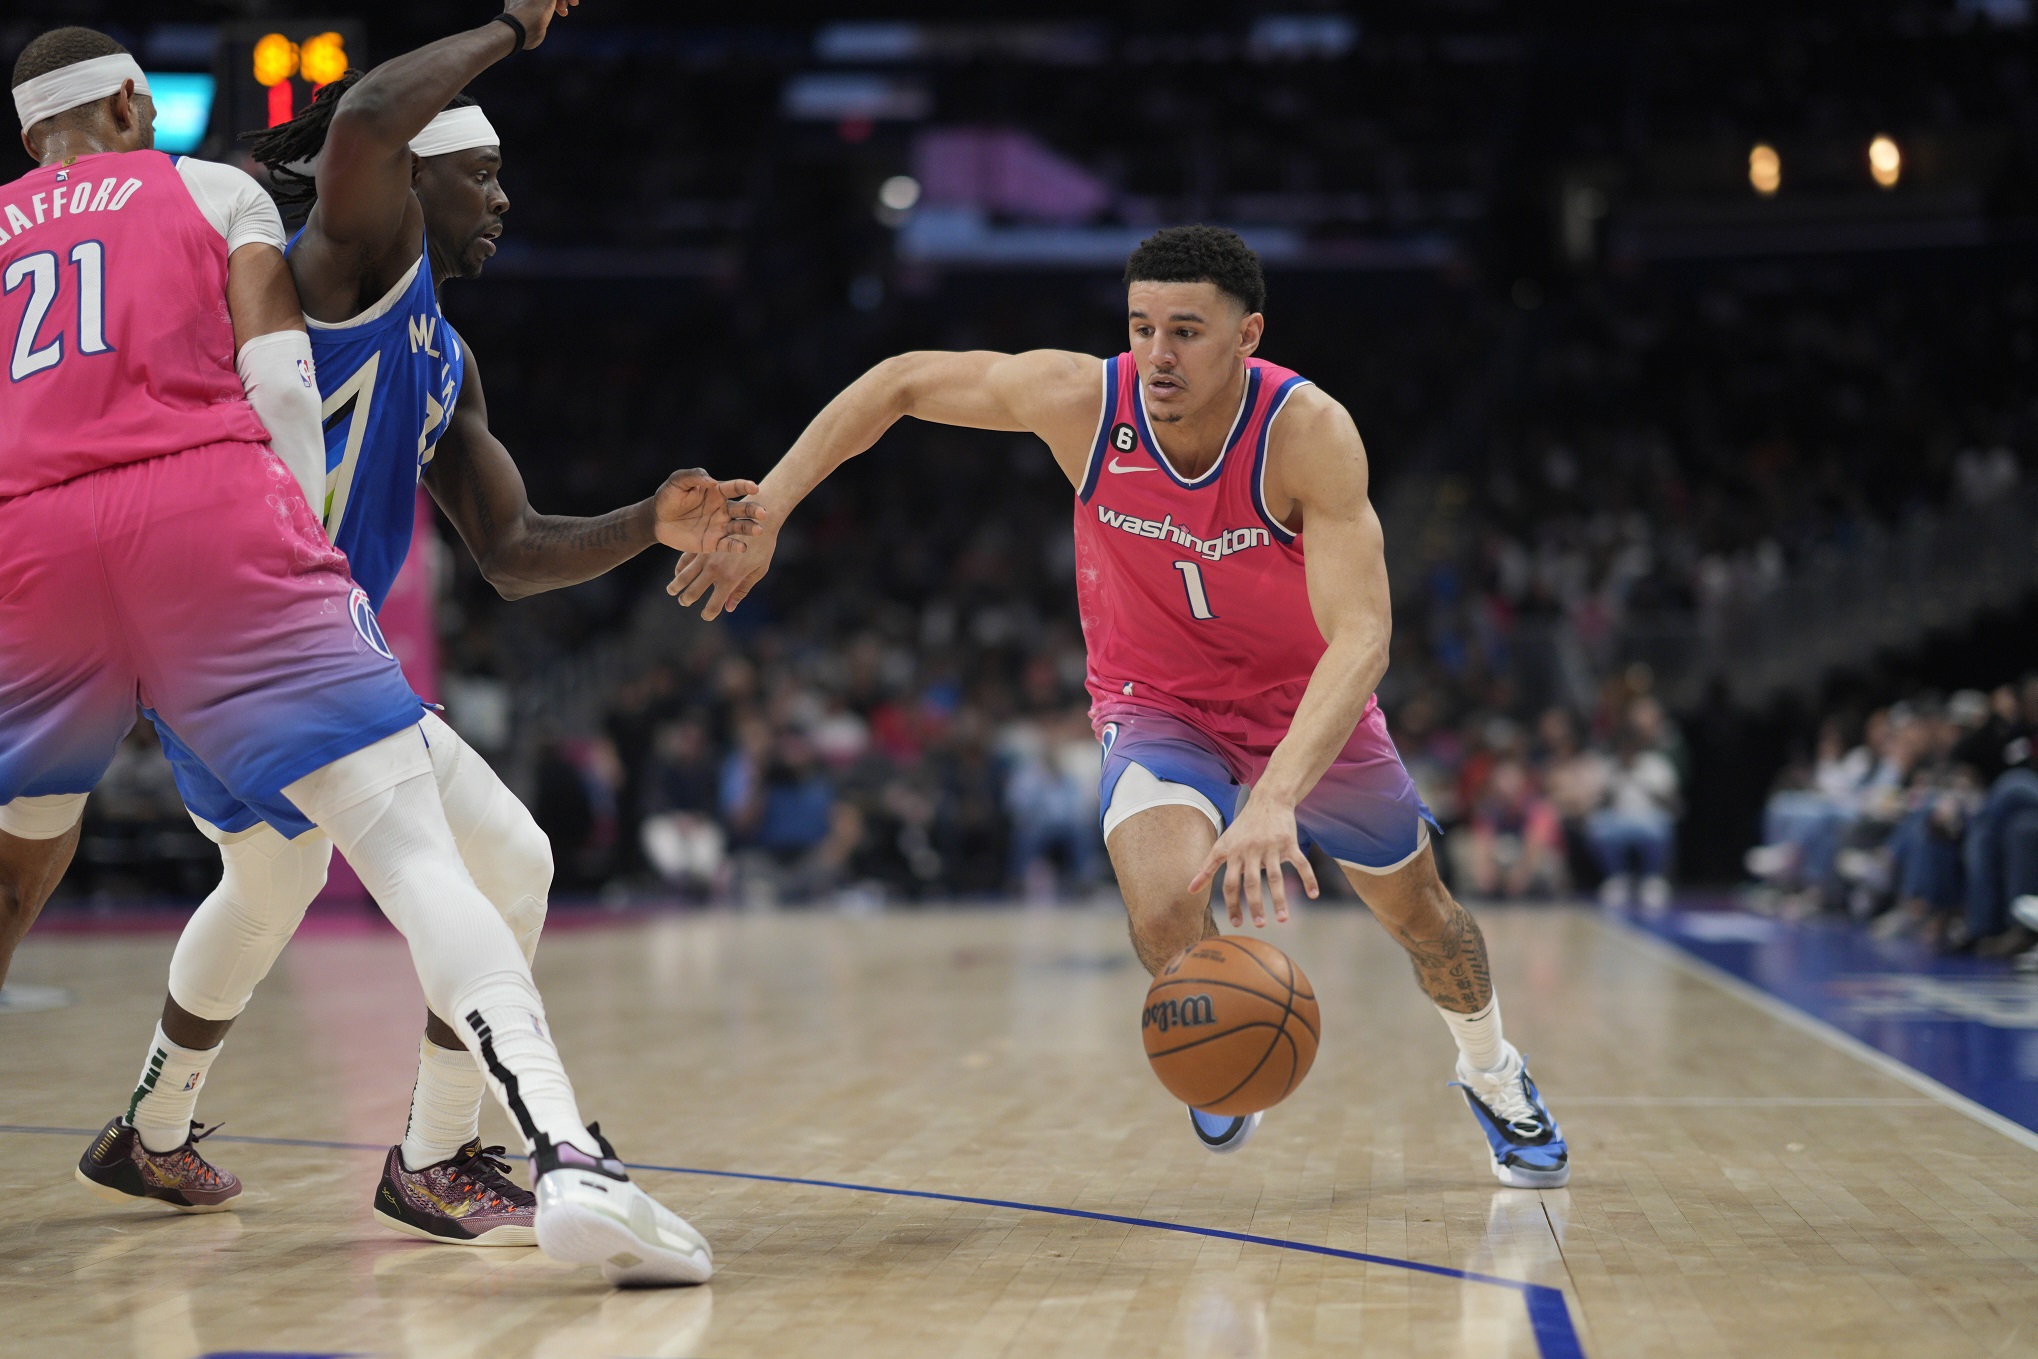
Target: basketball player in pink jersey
x=1231 y=671
x=156 y=550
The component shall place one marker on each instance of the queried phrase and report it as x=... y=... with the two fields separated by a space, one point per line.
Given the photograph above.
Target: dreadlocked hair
x=288 y=148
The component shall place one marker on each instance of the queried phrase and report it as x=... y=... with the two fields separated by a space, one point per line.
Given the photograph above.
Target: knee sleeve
x=397 y=839
x=41 y=818
x=509 y=857
x=239 y=930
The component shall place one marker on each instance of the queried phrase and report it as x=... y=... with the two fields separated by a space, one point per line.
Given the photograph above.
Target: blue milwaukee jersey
x=388 y=379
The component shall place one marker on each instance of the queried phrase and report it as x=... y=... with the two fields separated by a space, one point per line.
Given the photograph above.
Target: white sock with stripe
x=167 y=1094
x=1481 y=1045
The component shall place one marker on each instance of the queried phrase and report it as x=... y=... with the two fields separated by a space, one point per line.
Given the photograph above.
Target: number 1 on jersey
x=1192 y=581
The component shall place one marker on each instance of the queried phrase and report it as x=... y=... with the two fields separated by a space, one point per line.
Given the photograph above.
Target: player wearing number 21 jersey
x=1233 y=590
x=156 y=547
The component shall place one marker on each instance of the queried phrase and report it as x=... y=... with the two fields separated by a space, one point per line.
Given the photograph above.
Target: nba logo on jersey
x=363 y=614
x=305 y=373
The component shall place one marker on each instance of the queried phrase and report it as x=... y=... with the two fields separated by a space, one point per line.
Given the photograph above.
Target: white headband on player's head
x=460 y=129
x=73 y=86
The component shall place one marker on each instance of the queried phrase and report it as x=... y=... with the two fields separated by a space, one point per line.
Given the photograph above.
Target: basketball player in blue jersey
x=398 y=173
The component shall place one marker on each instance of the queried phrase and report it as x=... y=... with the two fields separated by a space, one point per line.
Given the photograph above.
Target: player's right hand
x=536 y=16
x=724 y=577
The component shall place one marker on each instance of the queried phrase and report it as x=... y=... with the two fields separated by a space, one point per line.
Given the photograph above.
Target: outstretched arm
x=522 y=552
x=1323 y=470
x=1051 y=392
x=366 y=214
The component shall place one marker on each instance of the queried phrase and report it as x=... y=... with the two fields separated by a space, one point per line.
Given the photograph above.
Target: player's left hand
x=696 y=513
x=1259 y=841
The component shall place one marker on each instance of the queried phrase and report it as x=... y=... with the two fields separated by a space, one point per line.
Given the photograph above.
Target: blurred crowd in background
x=1919 y=818
x=1618 y=403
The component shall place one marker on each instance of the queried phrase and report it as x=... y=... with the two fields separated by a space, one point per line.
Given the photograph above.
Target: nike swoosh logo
x=1113 y=465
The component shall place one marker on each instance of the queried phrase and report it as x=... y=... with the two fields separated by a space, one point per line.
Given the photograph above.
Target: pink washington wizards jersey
x=113 y=324
x=1192 y=594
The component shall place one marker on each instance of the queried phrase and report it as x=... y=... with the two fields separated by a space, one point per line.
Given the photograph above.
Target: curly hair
x=61 y=47
x=1201 y=254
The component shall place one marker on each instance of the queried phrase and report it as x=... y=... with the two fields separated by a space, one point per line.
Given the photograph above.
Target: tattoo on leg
x=1450 y=962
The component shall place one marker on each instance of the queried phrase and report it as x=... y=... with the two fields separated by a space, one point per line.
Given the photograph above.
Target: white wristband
x=282 y=385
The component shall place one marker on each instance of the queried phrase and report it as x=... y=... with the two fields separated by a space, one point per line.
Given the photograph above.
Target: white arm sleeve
x=233 y=202
x=277 y=373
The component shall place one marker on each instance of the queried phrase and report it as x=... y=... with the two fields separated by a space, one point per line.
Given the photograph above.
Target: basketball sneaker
x=467 y=1199
x=1223 y=1135
x=1528 y=1148
x=117 y=1166
x=590 y=1212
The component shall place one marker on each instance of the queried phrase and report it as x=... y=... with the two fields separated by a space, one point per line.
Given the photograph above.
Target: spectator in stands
x=1052 y=797
x=1806 y=818
x=1634 y=830
x=1515 y=844
x=680 y=837
x=1574 y=778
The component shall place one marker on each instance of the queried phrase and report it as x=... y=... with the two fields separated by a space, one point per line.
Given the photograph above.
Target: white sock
x=167 y=1094
x=445 y=1106
x=1481 y=1045
x=504 y=1019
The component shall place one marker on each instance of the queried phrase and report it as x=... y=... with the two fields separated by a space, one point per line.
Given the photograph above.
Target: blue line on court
x=1969 y=1023
x=1548 y=1314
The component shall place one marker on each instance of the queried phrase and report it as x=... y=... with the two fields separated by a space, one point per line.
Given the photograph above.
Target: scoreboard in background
x=270 y=70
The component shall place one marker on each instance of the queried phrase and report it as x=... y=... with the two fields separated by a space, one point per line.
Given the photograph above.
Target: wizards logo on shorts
x=363 y=614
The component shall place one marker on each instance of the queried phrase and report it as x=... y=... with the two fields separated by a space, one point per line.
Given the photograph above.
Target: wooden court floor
x=1740 y=1186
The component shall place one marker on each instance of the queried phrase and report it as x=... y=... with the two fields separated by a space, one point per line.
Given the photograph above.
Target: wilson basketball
x=1230 y=1026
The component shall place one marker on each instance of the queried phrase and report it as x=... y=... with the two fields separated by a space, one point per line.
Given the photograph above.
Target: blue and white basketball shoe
x=1223 y=1135
x=1528 y=1147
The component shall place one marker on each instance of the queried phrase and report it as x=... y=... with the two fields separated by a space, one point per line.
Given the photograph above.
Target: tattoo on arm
x=1450 y=962
x=609 y=531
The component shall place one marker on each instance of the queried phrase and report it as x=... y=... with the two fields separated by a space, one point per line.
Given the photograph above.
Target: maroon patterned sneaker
x=117 y=1166
x=466 y=1200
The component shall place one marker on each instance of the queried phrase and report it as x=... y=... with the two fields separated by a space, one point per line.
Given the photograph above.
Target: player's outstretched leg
x=1449 y=952
x=381 y=807
x=1155 y=853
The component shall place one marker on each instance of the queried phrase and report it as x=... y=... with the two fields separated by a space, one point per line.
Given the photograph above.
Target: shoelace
x=487 y=1170
x=186 y=1159
x=1509 y=1101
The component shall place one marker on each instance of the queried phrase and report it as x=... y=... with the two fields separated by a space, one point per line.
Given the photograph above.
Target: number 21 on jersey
x=1192 y=581
x=39 y=271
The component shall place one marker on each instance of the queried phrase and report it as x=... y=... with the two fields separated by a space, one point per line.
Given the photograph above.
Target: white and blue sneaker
x=1221 y=1134
x=1528 y=1147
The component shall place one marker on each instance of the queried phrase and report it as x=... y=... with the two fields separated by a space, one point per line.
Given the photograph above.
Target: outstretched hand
x=536 y=16
x=730 y=575
x=695 y=513
x=1260 y=841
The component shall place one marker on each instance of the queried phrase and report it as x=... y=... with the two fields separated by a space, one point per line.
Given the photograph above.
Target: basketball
x=1230 y=1026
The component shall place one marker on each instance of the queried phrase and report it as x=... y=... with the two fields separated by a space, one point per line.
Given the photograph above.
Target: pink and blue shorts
x=1363 y=812
x=198 y=587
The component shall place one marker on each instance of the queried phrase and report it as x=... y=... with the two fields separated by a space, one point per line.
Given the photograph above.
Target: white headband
x=460 y=129
x=72 y=86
